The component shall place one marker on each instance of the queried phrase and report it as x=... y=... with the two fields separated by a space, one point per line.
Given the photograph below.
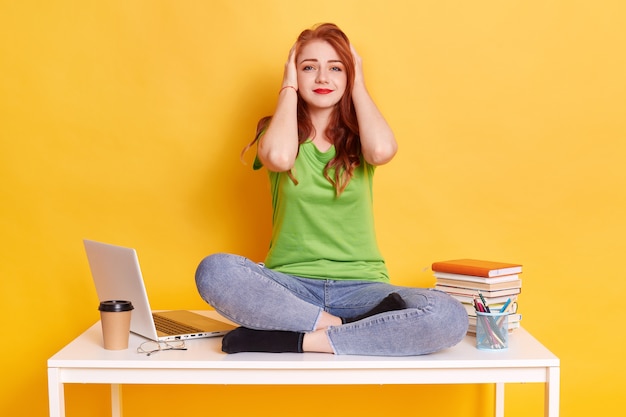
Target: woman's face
x=322 y=75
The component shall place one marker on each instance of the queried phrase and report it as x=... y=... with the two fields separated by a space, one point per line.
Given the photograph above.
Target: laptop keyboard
x=169 y=326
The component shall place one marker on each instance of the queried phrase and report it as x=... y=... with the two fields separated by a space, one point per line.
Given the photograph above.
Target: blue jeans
x=259 y=298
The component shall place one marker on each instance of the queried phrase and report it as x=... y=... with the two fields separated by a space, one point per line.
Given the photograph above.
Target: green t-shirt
x=316 y=234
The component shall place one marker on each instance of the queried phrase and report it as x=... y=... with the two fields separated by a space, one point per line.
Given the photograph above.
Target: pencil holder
x=492 y=331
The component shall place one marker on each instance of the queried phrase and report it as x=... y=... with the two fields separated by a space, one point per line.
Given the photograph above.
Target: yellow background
x=122 y=121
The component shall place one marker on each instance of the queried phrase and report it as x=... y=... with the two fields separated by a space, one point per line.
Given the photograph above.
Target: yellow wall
x=122 y=121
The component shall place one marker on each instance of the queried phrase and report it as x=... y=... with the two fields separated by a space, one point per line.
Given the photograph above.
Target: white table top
x=86 y=351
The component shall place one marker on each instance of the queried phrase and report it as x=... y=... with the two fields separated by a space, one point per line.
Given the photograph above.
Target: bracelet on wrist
x=288 y=86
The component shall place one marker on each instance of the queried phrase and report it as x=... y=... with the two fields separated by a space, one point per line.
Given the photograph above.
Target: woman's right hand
x=290 y=76
x=278 y=147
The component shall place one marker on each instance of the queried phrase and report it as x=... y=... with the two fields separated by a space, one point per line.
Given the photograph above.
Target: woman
x=324 y=286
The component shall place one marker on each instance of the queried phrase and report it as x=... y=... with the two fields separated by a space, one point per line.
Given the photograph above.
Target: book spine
x=477 y=286
x=461 y=270
x=476 y=291
x=476 y=268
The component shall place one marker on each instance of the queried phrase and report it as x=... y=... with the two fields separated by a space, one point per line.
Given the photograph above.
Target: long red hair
x=343 y=128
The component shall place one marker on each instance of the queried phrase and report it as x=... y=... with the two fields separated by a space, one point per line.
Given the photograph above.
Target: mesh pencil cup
x=492 y=330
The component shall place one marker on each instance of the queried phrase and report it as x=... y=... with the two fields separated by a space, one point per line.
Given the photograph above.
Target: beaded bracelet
x=288 y=86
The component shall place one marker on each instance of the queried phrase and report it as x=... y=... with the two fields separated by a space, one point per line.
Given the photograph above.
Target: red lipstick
x=323 y=91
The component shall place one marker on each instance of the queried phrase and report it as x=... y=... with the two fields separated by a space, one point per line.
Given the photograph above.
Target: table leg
x=500 y=399
x=116 y=400
x=56 y=394
x=553 y=387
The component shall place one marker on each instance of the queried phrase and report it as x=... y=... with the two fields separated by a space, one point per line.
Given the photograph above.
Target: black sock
x=243 y=339
x=390 y=303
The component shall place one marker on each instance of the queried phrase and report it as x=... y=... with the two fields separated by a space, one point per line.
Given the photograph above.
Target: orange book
x=477 y=268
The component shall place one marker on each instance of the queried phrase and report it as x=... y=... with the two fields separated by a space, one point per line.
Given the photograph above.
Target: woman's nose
x=322 y=77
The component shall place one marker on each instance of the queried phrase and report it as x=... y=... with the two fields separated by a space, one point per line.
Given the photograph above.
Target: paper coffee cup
x=115 y=318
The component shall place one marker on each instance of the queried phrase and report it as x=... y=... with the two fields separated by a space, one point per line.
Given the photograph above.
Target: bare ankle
x=326 y=320
x=317 y=341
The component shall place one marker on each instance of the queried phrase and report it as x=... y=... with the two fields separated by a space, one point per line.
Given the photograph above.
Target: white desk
x=85 y=361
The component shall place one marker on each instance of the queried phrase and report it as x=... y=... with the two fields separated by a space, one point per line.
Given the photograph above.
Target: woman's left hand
x=358 y=68
x=378 y=142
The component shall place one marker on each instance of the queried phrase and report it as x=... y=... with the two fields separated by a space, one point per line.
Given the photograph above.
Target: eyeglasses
x=150 y=347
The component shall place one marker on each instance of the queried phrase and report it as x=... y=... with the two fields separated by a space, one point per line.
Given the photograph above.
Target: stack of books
x=497 y=282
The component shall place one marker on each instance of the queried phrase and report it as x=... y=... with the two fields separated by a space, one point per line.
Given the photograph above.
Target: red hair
x=343 y=129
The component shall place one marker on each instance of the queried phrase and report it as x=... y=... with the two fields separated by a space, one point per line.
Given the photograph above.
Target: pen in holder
x=492 y=330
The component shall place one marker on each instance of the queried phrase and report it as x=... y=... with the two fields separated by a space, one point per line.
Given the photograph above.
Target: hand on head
x=358 y=67
x=290 y=76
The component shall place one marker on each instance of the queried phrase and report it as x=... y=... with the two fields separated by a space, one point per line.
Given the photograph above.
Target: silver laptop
x=117 y=276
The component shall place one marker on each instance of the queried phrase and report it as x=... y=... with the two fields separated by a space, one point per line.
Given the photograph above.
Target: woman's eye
x=338 y=69
x=307 y=68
